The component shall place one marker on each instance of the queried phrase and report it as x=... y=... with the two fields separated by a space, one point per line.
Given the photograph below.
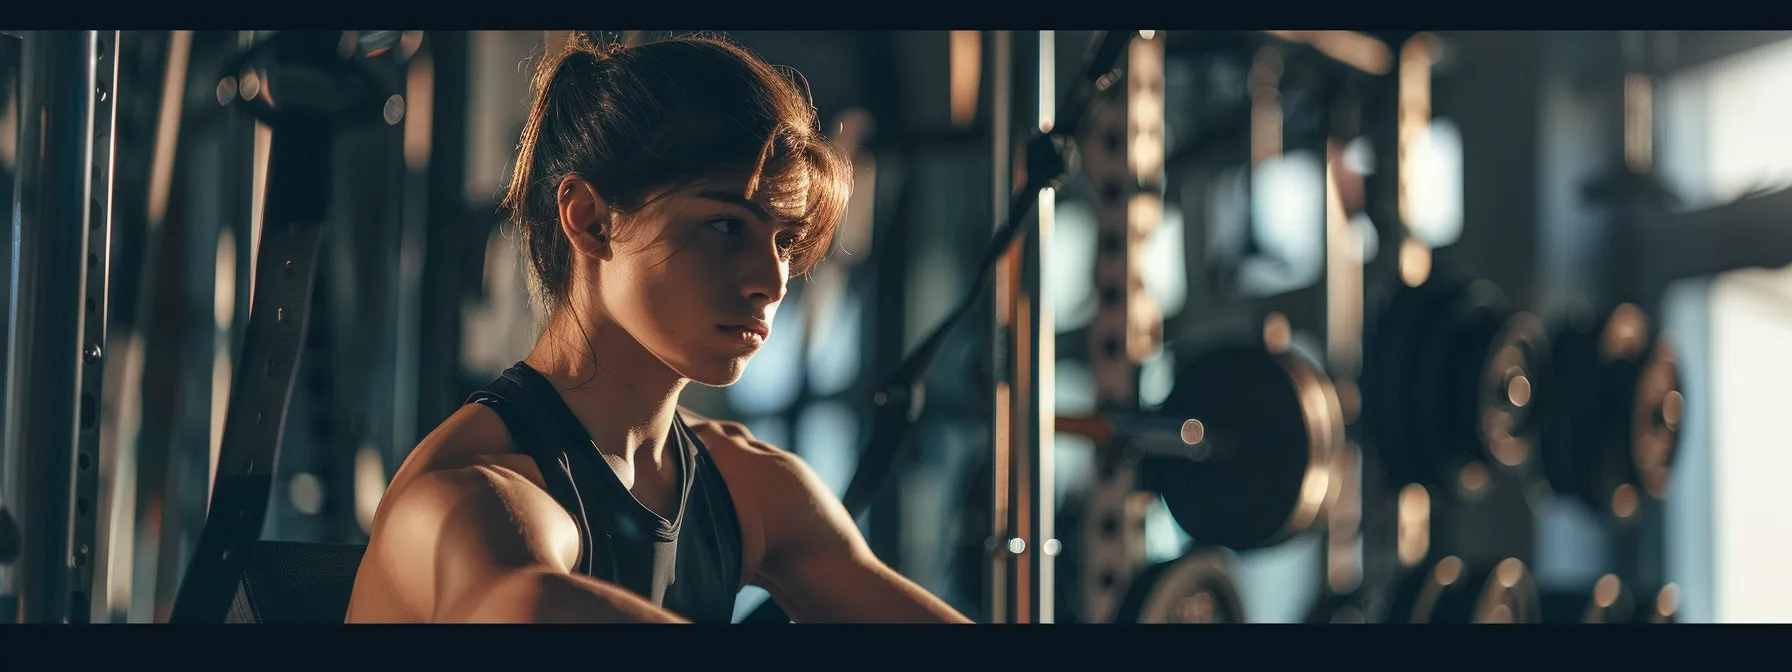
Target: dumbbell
x=1612 y=600
x=1449 y=381
x=1195 y=588
x=1240 y=448
x=1612 y=427
x=1452 y=590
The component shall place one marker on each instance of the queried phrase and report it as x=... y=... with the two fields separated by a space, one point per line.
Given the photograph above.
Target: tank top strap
x=725 y=521
x=519 y=409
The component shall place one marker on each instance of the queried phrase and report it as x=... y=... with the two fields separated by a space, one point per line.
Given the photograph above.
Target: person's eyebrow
x=736 y=199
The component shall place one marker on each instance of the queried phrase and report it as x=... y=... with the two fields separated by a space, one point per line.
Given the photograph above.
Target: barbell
x=1239 y=449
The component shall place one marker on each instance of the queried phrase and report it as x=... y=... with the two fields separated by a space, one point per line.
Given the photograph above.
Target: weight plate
x=1511 y=397
x=1570 y=439
x=1271 y=423
x=1196 y=588
x=1392 y=365
x=1655 y=418
x=1450 y=591
x=1451 y=358
x=1613 y=430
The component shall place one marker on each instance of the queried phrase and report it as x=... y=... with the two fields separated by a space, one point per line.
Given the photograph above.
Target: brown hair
x=632 y=120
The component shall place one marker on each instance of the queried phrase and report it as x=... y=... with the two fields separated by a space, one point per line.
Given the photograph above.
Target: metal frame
x=55 y=335
x=1113 y=524
x=1023 y=543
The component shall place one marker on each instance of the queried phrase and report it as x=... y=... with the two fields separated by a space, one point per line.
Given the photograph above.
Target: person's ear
x=584 y=217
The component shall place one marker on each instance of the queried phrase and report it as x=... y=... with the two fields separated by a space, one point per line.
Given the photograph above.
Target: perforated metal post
x=56 y=318
x=1129 y=178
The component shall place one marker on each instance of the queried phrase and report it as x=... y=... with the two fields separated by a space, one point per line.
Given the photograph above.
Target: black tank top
x=689 y=565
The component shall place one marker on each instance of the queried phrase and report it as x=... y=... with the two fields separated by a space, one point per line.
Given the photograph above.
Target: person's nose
x=765 y=277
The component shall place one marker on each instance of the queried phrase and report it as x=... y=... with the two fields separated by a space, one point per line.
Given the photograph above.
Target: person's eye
x=728 y=226
x=787 y=241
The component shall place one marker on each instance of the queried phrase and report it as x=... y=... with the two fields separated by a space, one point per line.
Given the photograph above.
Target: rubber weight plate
x=1270 y=424
x=1652 y=384
x=1392 y=417
x=1511 y=398
x=1452 y=358
x=1570 y=433
x=1612 y=432
x=1196 y=588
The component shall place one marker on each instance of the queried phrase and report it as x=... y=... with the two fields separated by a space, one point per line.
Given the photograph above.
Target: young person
x=665 y=194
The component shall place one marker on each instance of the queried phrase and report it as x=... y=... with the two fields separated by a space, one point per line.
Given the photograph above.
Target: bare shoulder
x=738 y=452
x=473 y=436
x=471 y=451
x=462 y=503
x=776 y=495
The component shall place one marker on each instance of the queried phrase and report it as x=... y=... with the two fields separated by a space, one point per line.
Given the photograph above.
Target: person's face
x=697 y=278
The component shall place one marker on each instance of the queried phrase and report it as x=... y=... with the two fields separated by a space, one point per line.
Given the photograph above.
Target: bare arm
x=484 y=544
x=817 y=564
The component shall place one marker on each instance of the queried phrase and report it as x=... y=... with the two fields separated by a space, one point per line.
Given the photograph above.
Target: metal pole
x=95 y=290
x=1114 y=516
x=46 y=409
x=1041 y=496
x=11 y=47
x=1026 y=545
x=1001 y=106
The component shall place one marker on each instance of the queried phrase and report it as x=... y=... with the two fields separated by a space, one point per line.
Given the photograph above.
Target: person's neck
x=625 y=400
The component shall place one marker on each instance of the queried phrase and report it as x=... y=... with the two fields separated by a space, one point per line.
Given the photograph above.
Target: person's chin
x=721 y=373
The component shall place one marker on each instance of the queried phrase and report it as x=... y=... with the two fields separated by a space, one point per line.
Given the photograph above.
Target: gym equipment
x=1050 y=155
x=1123 y=153
x=1613 y=426
x=1196 y=588
x=232 y=573
x=1664 y=609
x=1050 y=158
x=1612 y=600
x=1451 y=591
x=1340 y=609
x=57 y=266
x=1240 y=448
x=1609 y=601
x=1451 y=379
x=296 y=583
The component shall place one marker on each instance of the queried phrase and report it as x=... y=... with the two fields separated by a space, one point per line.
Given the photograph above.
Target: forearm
x=873 y=593
x=557 y=597
x=904 y=601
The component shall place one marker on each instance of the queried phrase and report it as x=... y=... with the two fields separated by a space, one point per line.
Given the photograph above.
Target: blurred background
x=1623 y=186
